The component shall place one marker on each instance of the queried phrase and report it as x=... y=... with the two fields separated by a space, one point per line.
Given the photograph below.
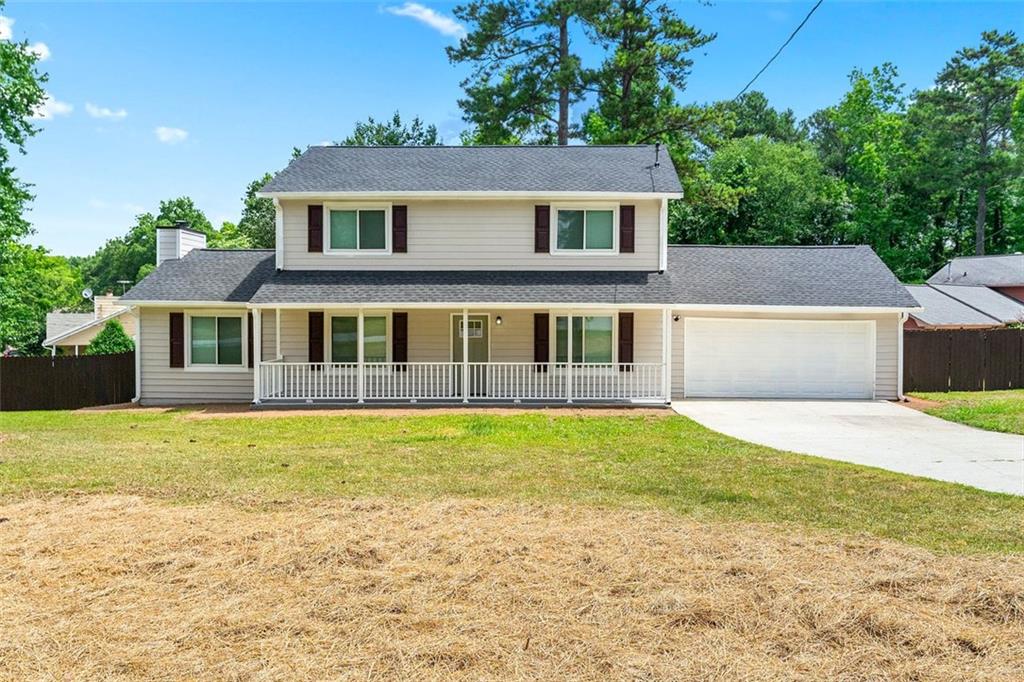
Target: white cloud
x=441 y=23
x=104 y=112
x=98 y=204
x=51 y=108
x=41 y=50
x=6 y=28
x=170 y=135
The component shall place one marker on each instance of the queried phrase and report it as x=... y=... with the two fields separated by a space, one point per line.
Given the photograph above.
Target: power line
x=779 y=51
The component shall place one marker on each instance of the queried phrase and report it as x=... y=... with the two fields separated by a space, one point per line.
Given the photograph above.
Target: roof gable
x=496 y=169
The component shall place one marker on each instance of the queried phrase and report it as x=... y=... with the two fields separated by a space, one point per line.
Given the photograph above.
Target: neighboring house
x=71 y=332
x=1005 y=274
x=953 y=306
x=507 y=274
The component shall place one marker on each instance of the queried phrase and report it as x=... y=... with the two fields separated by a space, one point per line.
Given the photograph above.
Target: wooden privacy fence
x=963 y=360
x=66 y=383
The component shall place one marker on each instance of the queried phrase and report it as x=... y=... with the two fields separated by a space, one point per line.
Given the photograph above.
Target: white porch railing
x=443 y=381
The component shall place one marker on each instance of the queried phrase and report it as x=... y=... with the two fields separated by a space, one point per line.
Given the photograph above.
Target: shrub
x=111 y=339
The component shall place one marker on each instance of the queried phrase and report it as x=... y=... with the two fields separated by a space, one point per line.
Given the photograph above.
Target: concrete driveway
x=881 y=434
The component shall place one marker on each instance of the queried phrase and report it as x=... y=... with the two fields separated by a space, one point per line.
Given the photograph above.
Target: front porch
x=508 y=356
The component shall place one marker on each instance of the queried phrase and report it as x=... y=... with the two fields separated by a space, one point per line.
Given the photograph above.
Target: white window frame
x=553 y=331
x=202 y=367
x=334 y=206
x=553 y=229
x=331 y=314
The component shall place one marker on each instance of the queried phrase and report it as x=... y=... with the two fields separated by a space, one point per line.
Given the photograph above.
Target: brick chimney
x=175 y=241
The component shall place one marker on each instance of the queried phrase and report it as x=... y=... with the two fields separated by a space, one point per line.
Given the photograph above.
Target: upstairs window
x=584 y=229
x=358 y=229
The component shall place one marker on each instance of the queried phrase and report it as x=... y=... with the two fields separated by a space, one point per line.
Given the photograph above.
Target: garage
x=778 y=358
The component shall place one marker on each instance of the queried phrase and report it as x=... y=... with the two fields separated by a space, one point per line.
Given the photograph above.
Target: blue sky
x=156 y=100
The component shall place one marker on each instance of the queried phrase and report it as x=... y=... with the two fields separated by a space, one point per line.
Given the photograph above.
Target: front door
x=479 y=350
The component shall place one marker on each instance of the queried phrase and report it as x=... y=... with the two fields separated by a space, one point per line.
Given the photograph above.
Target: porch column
x=277 y=334
x=568 y=358
x=361 y=380
x=257 y=352
x=666 y=355
x=138 y=354
x=465 y=355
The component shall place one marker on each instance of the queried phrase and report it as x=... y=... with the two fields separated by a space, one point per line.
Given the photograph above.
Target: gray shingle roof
x=61 y=323
x=784 y=275
x=989 y=271
x=463 y=286
x=478 y=169
x=206 y=275
x=988 y=301
x=940 y=310
x=696 y=275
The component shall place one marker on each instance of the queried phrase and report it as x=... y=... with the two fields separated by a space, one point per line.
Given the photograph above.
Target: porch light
x=497 y=320
x=675 y=318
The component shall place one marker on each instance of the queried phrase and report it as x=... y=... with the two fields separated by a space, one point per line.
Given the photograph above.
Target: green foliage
x=646 y=64
x=258 y=216
x=782 y=196
x=133 y=256
x=111 y=339
x=393 y=133
x=752 y=115
x=526 y=74
x=974 y=99
x=33 y=283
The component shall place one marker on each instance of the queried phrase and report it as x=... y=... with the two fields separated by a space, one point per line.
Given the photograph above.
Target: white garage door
x=732 y=358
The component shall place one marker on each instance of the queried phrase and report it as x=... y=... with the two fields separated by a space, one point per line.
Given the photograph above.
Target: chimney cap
x=180 y=225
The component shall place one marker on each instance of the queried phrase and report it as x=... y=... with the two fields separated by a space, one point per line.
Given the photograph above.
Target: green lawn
x=991 y=410
x=633 y=461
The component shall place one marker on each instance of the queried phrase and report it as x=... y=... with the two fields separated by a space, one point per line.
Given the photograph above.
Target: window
x=585 y=229
x=345 y=335
x=591 y=339
x=216 y=341
x=476 y=329
x=358 y=229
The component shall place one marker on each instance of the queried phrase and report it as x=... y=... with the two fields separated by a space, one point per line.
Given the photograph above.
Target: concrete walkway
x=880 y=434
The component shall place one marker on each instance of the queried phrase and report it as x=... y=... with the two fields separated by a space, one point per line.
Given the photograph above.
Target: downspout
x=899 y=372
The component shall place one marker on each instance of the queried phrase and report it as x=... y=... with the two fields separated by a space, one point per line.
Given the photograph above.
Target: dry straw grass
x=108 y=587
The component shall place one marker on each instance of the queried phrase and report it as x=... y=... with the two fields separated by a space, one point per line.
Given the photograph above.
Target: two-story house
x=505 y=274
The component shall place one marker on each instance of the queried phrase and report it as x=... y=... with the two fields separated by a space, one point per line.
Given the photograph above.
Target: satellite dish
x=87 y=293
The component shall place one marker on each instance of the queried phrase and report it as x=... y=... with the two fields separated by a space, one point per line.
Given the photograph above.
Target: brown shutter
x=540 y=341
x=248 y=341
x=315 y=229
x=400 y=339
x=627 y=228
x=542 y=229
x=399 y=229
x=177 y=334
x=316 y=337
x=625 y=341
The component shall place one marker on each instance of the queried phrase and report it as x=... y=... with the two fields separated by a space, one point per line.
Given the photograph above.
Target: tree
x=525 y=76
x=258 y=222
x=781 y=193
x=975 y=92
x=751 y=114
x=34 y=283
x=21 y=95
x=393 y=133
x=132 y=256
x=111 y=339
x=647 y=63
